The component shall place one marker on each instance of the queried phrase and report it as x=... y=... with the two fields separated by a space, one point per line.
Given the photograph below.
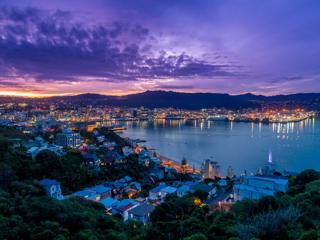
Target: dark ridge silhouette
x=164 y=99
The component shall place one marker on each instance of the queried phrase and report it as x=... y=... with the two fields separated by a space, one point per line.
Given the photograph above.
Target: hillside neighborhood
x=135 y=197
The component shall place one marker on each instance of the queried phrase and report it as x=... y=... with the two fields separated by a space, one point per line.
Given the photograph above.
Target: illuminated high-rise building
x=210 y=169
x=230 y=172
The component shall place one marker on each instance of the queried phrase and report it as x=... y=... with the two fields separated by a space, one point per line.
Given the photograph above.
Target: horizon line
x=33 y=95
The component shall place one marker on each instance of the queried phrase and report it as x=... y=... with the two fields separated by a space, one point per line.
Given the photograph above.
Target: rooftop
x=83 y=193
x=93 y=196
x=254 y=189
x=202 y=187
x=275 y=179
x=142 y=210
x=49 y=182
x=109 y=202
x=169 y=189
x=158 y=188
x=100 y=189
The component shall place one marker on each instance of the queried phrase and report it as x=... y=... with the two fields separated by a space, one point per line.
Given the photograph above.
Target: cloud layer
x=110 y=46
x=52 y=47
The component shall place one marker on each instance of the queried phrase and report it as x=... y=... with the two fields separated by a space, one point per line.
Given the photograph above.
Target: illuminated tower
x=230 y=172
x=267 y=170
x=216 y=170
x=207 y=170
x=270 y=158
x=210 y=169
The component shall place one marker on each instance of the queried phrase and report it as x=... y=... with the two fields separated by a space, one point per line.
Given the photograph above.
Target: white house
x=255 y=187
x=156 y=192
x=33 y=151
x=52 y=188
x=123 y=207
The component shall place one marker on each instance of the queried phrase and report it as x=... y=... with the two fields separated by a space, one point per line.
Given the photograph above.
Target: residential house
x=136 y=185
x=34 y=150
x=86 y=194
x=131 y=192
x=155 y=193
x=109 y=203
x=141 y=213
x=94 y=197
x=255 y=187
x=140 y=200
x=167 y=190
x=185 y=188
x=102 y=190
x=52 y=188
x=210 y=189
x=125 y=179
x=123 y=208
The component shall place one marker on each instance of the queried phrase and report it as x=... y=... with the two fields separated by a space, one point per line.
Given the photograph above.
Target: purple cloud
x=51 y=46
x=253 y=46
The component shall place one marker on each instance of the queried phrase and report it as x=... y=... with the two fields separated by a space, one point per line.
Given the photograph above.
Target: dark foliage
x=27 y=213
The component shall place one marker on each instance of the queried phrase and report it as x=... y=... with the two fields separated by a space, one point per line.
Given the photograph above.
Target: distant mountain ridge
x=161 y=99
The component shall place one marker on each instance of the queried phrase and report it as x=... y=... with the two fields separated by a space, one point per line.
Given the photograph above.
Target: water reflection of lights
x=301 y=126
x=313 y=124
x=260 y=125
x=280 y=130
x=252 y=129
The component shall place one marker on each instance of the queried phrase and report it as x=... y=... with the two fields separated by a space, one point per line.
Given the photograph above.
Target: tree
x=26 y=212
x=196 y=236
x=88 y=235
x=203 y=195
x=7 y=175
x=310 y=235
x=47 y=165
x=304 y=178
x=267 y=203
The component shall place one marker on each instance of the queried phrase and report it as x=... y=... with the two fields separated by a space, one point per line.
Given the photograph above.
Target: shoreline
x=167 y=162
x=267 y=122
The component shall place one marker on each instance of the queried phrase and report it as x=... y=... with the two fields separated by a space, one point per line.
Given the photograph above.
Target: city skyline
x=122 y=47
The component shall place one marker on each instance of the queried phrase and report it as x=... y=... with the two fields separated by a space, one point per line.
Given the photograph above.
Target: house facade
x=52 y=187
x=141 y=213
x=255 y=187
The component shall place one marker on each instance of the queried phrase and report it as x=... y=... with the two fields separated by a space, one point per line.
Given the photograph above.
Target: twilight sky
x=125 y=46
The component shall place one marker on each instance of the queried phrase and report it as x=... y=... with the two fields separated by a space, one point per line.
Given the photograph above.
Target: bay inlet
x=244 y=146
